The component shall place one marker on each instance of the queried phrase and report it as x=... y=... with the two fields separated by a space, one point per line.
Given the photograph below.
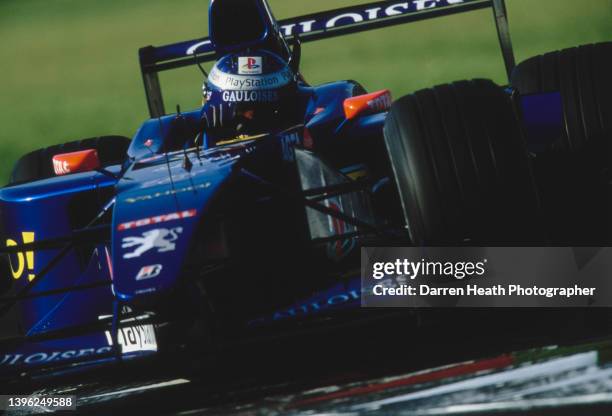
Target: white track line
x=549 y=368
x=583 y=378
x=142 y=388
x=522 y=405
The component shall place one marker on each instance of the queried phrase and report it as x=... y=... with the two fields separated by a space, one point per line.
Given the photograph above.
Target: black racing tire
x=578 y=163
x=38 y=164
x=461 y=166
x=583 y=77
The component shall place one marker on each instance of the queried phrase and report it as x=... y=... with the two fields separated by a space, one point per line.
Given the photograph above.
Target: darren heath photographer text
x=457 y=270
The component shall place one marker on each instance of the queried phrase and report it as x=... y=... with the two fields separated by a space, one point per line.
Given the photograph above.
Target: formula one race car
x=244 y=218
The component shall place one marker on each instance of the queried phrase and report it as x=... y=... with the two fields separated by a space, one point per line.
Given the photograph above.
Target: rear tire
x=583 y=77
x=577 y=169
x=461 y=166
x=38 y=164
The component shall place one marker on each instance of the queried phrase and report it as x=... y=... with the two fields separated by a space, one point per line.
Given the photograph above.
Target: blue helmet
x=250 y=93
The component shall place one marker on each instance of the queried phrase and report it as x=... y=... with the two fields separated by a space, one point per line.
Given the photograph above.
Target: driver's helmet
x=250 y=93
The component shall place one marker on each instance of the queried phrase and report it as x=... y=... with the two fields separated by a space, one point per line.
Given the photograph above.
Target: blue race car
x=243 y=219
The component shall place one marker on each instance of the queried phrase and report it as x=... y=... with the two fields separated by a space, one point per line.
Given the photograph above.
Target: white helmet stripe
x=226 y=81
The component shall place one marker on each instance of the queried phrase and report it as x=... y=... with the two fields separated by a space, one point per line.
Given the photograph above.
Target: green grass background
x=69 y=68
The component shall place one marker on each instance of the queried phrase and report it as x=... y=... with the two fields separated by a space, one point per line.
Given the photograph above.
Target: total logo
x=248 y=65
x=171 y=216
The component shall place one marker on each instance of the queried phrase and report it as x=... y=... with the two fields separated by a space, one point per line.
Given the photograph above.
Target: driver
x=249 y=94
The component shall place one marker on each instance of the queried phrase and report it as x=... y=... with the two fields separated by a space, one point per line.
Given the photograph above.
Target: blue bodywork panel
x=46 y=210
x=160 y=186
x=148 y=194
x=542 y=116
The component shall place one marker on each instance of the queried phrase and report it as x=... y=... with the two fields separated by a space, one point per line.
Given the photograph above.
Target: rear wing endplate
x=317 y=26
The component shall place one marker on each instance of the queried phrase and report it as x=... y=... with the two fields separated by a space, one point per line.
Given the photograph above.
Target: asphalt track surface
x=561 y=369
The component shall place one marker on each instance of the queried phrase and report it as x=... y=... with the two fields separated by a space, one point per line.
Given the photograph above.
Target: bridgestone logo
x=157 y=219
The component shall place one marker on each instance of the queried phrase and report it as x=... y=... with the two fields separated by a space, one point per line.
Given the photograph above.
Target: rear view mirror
x=74 y=162
x=373 y=103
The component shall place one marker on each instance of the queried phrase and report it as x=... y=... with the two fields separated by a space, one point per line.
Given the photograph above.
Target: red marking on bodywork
x=307 y=141
x=109 y=262
x=339 y=228
x=74 y=162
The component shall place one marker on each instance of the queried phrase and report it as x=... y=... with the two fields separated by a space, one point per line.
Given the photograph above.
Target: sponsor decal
x=169 y=192
x=23 y=261
x=149 y=272
x=74 y=162
x=50 y=356
x=250 y=96
x=145 y=291
x=135 y=338
x=160 y=239
x=250 y=65
x=336 y=300
x=366 y=14
x=61 y=167
x=227 y=81
x=158 y=219
x=167 y=180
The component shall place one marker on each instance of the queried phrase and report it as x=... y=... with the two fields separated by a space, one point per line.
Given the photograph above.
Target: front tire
x=461 y=166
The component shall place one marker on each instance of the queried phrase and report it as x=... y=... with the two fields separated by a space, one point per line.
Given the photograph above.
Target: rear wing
x=322 y=25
